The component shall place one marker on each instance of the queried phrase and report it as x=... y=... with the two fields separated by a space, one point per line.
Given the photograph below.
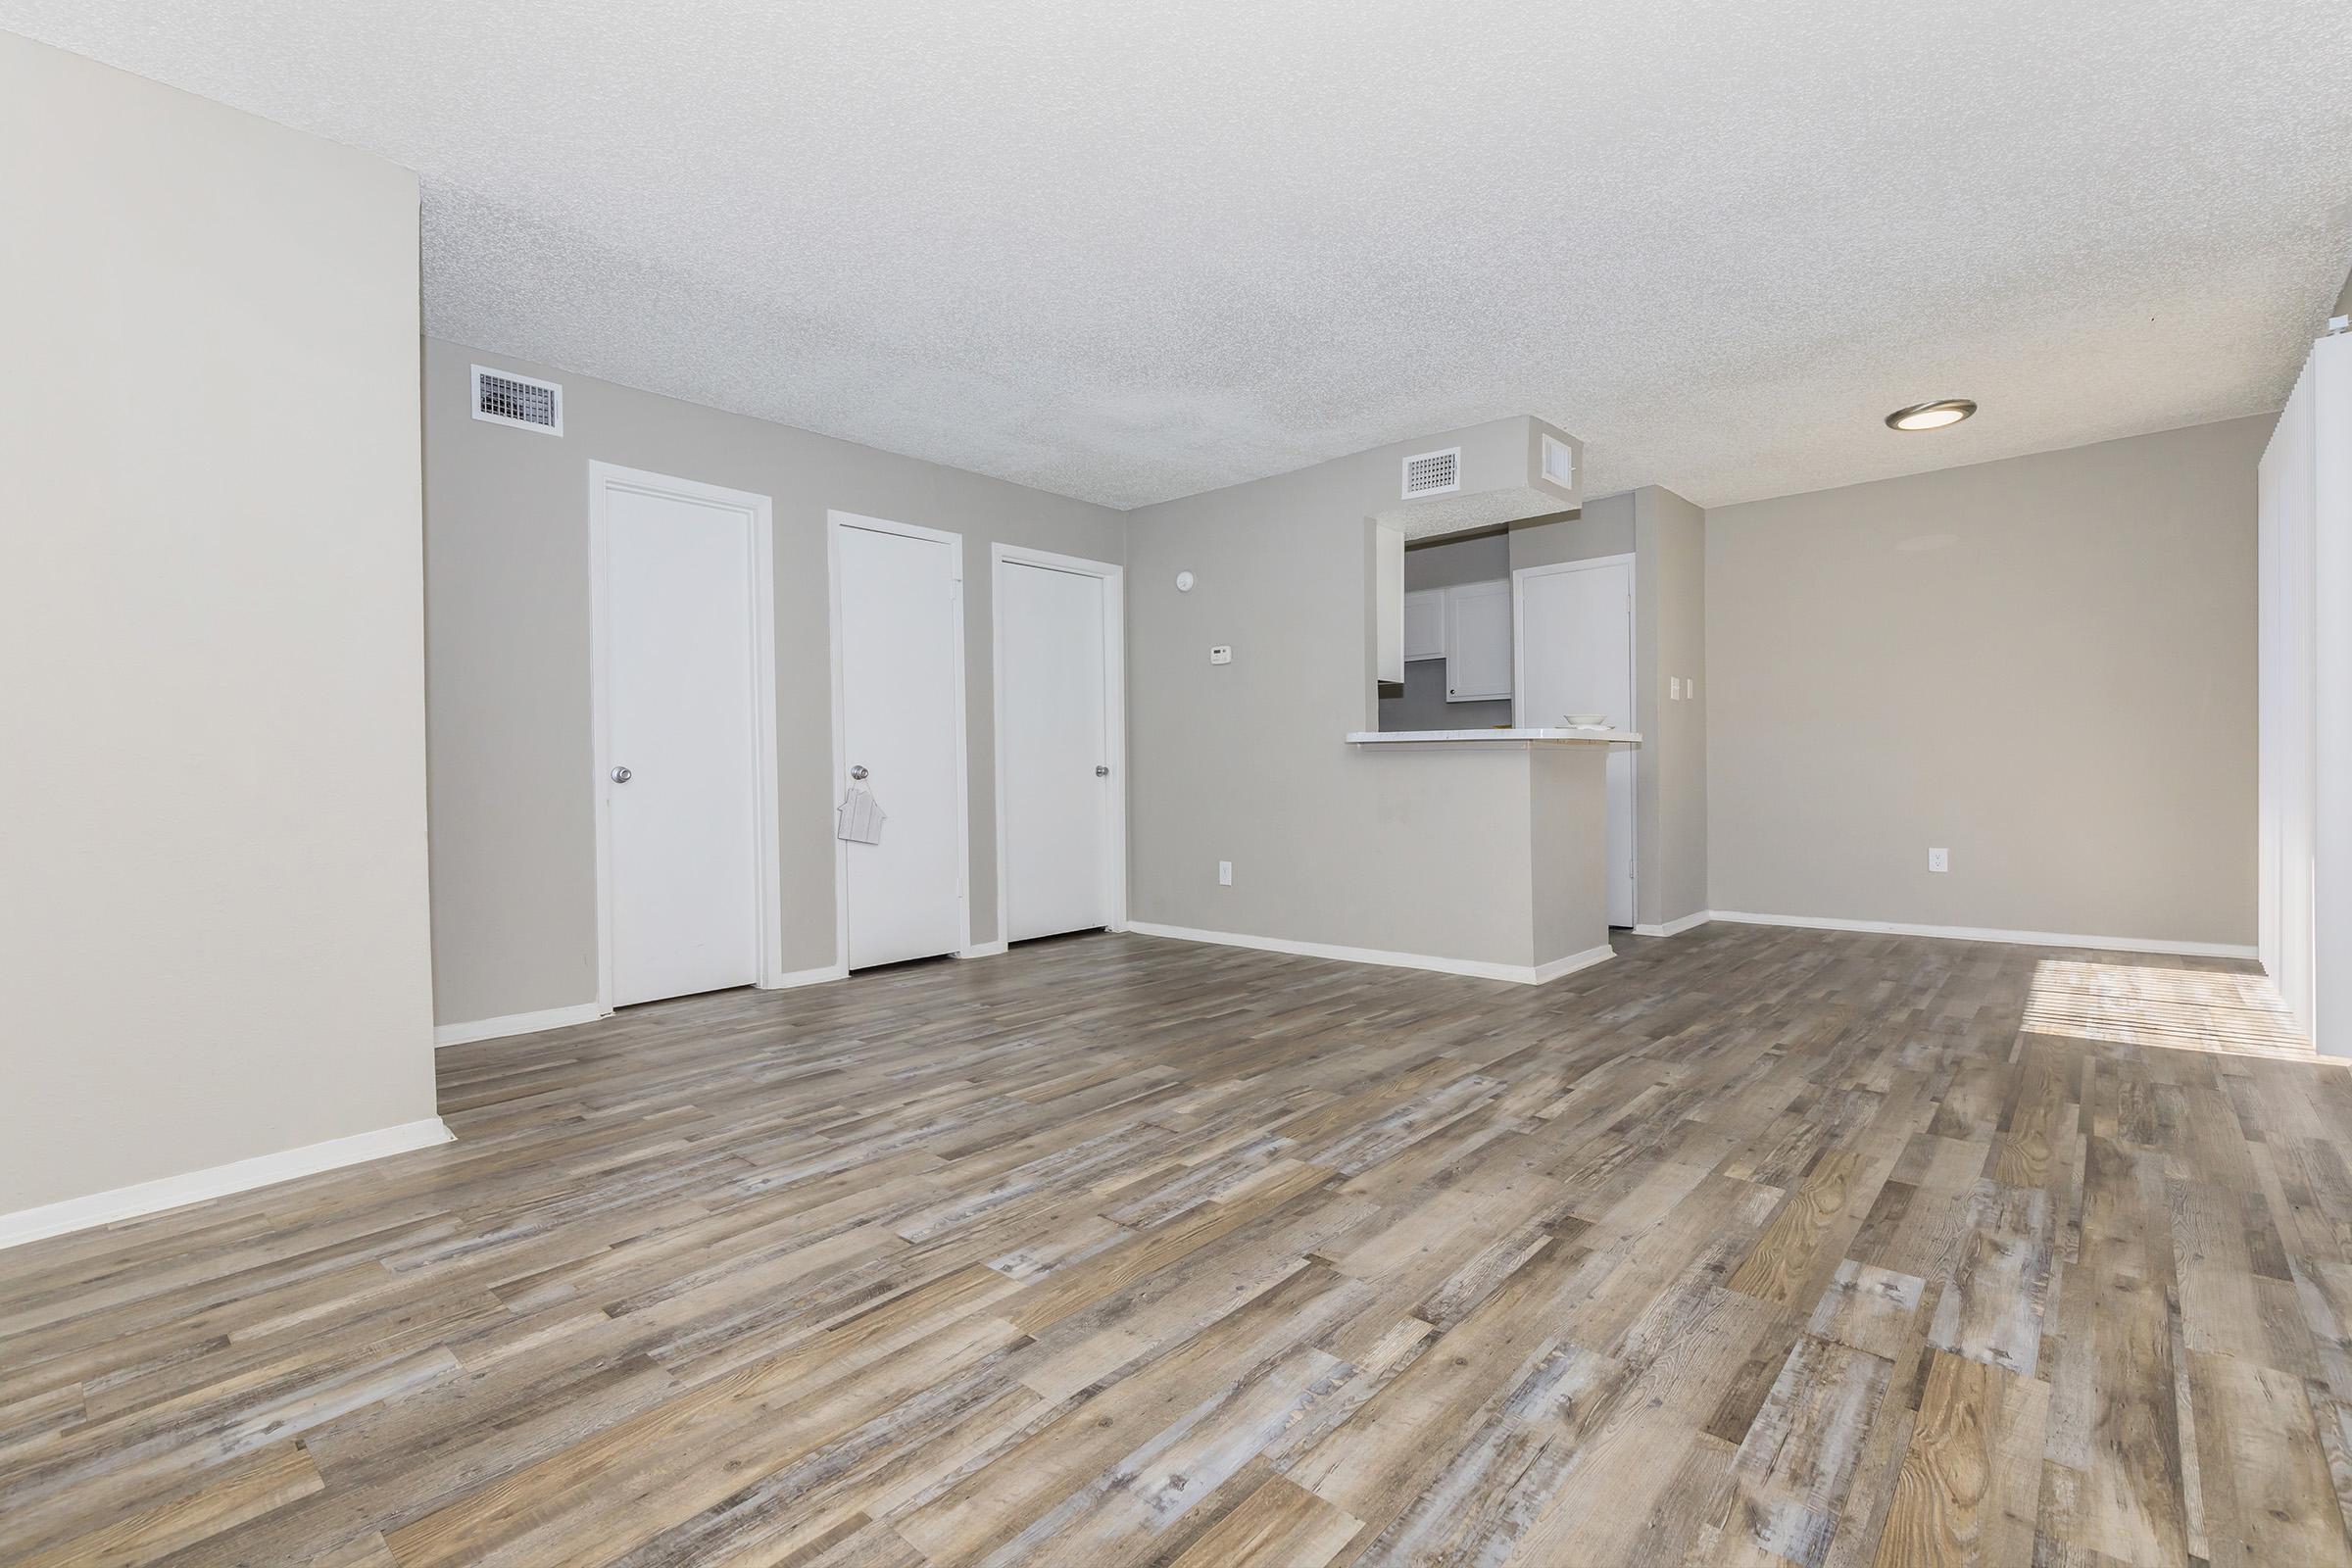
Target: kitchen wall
x=214 y=942
x=1481 y=558
x=1245 y=762
x=2044 y=664
x=1603 y=527
x=1670 y=613
x=1665 y=535
x=514 y=863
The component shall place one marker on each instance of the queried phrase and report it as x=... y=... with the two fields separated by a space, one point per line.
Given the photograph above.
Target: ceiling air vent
x=1559 y=461
x=1432 y=473
x=504 y=398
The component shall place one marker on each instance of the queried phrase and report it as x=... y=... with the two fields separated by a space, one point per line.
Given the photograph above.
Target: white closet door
x=1577 y=657
x=680 y=730
x=901 y=680
x=1056 y=764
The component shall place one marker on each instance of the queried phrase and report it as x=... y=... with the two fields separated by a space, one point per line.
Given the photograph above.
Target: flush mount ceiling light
x=1931 y=416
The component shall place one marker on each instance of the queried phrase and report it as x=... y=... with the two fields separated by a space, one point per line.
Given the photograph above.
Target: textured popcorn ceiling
x=1129 y=252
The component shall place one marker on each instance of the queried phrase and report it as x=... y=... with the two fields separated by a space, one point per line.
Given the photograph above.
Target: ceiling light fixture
x=1931 y=416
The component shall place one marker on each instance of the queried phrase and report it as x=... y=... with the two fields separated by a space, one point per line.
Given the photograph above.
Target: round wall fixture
x=1184 y=582
x=1931 y=416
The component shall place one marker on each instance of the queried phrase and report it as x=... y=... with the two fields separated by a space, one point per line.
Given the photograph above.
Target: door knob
x=858 y=771
x=1101 y=771
x=621 y=775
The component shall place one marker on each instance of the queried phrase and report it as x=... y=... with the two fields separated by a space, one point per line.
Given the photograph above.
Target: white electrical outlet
x=1222 y=654
x=1224 y=873
x=1939 y=859
x=1674 y=688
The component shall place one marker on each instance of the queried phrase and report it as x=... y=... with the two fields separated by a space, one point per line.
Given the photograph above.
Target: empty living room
x=1299 y=785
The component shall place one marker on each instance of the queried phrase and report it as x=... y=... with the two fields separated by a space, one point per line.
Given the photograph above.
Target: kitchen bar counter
x=1506 y=828
x=1491 y=737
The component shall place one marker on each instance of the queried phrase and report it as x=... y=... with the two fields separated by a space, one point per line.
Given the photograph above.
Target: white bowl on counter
x=1585 y=721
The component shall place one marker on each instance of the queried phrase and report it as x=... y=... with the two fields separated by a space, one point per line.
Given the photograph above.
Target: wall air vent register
x=504 y=398
x=1432 y=473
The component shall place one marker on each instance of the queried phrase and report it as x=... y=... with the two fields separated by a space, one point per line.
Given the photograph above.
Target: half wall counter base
x=1497 y=841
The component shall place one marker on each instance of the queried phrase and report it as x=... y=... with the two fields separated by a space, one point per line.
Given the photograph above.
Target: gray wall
x=1450 y=563
x=1482 y=558
x=1424 y=852
x=506 y=617
x=1671 y=643
x=2044 y=664
x=214 y=941
x=1605 y=527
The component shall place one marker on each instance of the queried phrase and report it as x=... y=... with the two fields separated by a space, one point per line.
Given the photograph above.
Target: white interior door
x=680 y=735
x=900 y=598
x=1056 y=731
x=1575 y=656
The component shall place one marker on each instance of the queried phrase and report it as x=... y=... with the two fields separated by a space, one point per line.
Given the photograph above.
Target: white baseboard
x=1571 y=963
x=1675 y=927
x=805 y=977
x=173 y=1191
x=1971 y=933
x=1525 y=974
x=984 y=950
x=516 y=1023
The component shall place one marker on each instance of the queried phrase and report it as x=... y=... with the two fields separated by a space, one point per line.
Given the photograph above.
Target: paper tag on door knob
x=860 y=816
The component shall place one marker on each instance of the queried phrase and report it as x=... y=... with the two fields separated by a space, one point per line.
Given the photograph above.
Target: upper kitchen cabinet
x=1478 y=642
x=1425 y=623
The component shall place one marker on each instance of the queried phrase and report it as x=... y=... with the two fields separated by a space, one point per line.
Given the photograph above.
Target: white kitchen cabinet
x=1478 y=642
x=1388 y=602
x=1425 y=624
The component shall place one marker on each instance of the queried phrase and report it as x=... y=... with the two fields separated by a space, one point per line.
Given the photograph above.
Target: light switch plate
x=1222 y=654
x=1224 y=873
x=1674 y=688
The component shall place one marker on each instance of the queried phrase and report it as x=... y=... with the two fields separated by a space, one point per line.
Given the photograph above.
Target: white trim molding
x=1675 y=928
x=1971 y=933
x=518 y=1023
x=1543 y=972
x=985 y=950
x=1526 y=974
x=805 y=977
x=197 y=1186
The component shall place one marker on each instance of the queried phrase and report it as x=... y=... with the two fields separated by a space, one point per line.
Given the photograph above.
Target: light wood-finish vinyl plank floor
x=1753 y=1246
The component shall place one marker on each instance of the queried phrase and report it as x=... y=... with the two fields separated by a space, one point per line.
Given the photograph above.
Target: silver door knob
x=621 y=775
x=858 y=771
x=1101 y=771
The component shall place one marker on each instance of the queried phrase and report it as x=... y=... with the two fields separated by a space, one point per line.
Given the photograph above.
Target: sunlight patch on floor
x=2150 y=1004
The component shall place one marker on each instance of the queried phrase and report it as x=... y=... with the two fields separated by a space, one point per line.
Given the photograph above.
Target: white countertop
x=1555 y=737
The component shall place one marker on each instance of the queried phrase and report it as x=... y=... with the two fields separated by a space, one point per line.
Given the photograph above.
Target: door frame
x=604 y=478
x=835 y=522
x=1114 y=716
x=1633 y=666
